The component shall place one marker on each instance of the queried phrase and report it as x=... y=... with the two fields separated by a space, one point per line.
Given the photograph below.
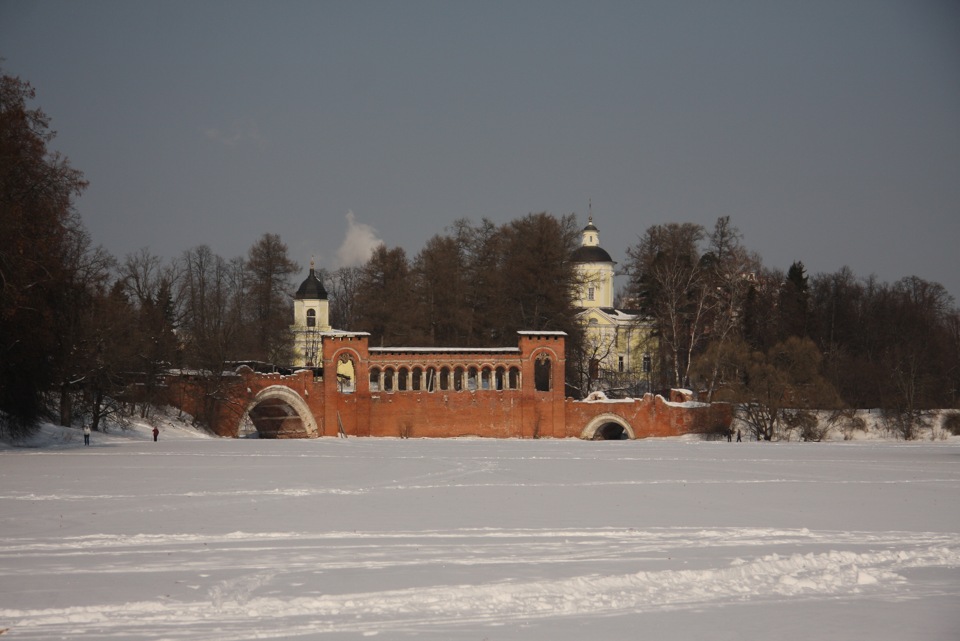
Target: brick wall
x=319 y=407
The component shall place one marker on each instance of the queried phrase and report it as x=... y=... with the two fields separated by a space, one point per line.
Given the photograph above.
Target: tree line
x=780 y=344
x=79 y=326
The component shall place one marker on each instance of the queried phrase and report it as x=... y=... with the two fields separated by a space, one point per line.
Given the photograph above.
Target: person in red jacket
x=156 y=433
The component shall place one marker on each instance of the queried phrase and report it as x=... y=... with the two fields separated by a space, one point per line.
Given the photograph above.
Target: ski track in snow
x=252 y=585
x=108 y=575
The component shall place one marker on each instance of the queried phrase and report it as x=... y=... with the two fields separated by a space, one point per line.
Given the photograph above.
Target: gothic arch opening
x=607 y=427
x=541 y=373
x=279 y=412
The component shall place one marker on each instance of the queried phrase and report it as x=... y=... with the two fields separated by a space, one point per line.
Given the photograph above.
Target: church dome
x=591 y=254
x=311 y=288
x=590 y=250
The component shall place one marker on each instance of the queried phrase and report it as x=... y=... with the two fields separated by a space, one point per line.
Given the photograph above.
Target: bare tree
x=344 y=284
x=268 y=270
x=211 y=291
x=669 y=279
x=775 y=391
x=729 y=271
x=149 y=286
x=140 y=273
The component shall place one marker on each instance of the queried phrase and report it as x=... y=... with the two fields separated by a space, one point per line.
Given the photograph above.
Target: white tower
x=311 y=317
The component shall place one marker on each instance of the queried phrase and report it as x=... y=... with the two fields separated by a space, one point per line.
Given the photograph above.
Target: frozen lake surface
x=201 y=538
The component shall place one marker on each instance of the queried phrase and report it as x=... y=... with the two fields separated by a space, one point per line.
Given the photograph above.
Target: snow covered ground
x=200 y=538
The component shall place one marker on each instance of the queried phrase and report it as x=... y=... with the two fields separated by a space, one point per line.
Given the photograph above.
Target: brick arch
x=596 y=423
x=280 y=403
x=545 y=379
x=545 y=349
x=358 y=375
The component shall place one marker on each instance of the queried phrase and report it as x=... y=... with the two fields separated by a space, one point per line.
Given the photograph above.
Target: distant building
x=311 y=317
x=619 y=344
x=342 y=386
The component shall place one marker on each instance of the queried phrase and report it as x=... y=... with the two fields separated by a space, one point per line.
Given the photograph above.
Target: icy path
x=480 y=539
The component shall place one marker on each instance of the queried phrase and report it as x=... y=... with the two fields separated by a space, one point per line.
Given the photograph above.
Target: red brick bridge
x=509 y=392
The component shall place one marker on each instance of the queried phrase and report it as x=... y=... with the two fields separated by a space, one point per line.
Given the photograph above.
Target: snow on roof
x=341 y=332
x=445 y=350
x=600 y=397
x=685 y=403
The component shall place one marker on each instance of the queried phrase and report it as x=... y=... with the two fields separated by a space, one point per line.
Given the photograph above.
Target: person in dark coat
x=738 y=436
x=156 y=433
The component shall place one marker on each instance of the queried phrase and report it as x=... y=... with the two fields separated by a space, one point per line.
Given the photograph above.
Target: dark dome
x=590 y=254
x=311 y=288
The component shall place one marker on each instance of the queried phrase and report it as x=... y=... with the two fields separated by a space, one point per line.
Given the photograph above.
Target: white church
x=619 y=343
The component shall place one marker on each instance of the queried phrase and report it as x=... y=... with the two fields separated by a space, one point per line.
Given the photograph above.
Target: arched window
x=346 y=375
x=416 y=381
x=485 y=378
x=431 y=382
x=403 y=374
x=472 y=379
x=311 y=318
x=444 y=379
x=514 y=378
x=388 y=379
x=374 y=379
x=458 y=379
x=541 y=373
x=501 y=378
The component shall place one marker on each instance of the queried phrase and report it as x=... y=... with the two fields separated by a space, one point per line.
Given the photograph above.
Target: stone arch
x=607 y=427
x=279 y=412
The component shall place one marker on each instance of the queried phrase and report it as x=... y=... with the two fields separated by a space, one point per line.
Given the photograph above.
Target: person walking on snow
x=86 y=435
x=738 y=436
x=156 y=433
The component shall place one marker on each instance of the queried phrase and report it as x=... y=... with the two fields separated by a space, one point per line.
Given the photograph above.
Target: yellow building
x=619 y=344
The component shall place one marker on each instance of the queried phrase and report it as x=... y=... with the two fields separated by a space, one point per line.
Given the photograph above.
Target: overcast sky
x=829 y=131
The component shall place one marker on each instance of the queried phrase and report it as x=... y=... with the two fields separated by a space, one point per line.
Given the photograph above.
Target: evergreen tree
x=794 y=302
